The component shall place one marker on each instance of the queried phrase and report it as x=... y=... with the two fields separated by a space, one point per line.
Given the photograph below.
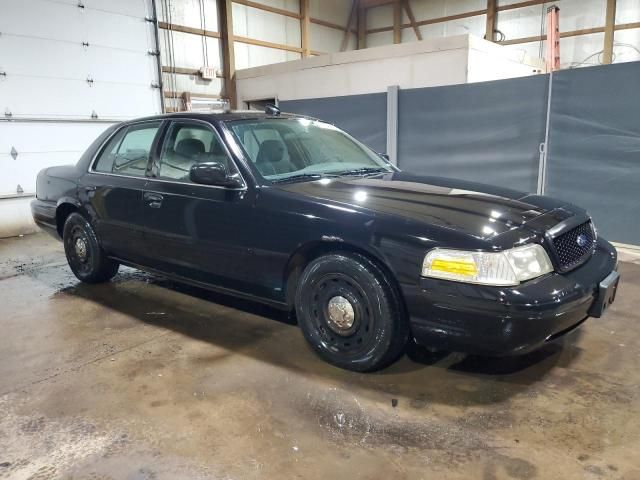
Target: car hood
x=475 y=209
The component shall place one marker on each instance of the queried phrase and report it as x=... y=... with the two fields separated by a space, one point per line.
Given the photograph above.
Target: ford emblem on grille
x=582 y=240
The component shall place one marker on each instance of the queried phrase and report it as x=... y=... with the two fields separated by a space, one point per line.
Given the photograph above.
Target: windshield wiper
x=363 y=171
x=317 y=176
x=301 y=176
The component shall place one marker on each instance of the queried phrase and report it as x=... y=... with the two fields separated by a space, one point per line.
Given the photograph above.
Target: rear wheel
x=350 y=313
x=86 y=257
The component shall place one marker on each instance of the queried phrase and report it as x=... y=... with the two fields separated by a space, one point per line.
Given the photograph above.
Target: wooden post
x=362 y=28
x=304 y=28
x=609 y=27
x=397 y=22
x=347 y=32
x=491 y=21
x=412 y=19
x=225 y=8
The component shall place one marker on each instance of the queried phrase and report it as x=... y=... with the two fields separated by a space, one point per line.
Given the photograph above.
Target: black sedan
x=296 y=213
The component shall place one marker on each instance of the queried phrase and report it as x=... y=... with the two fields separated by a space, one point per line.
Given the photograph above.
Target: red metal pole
x=553 y=39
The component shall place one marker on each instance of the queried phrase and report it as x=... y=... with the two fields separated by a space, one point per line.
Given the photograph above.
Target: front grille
x=574 y=247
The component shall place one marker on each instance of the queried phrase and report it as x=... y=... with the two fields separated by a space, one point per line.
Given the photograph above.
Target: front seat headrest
x=271 y=151
x=189 y=147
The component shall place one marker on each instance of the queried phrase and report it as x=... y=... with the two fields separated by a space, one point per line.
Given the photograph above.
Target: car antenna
x=272 y=110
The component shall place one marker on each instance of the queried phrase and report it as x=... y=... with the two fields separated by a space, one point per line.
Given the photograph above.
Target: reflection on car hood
x=480 y=210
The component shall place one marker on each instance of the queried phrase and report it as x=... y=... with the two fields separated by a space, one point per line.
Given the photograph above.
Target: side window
x=108 y=155
x=187 y=144
x=127 y=153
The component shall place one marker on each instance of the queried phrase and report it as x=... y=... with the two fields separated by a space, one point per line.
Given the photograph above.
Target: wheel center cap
x=341 y=314
x=81 y=248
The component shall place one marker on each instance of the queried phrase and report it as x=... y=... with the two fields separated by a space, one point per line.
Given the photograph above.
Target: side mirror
x=213 y=173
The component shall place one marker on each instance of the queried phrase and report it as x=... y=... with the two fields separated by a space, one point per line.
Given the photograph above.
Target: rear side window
x=127 y=153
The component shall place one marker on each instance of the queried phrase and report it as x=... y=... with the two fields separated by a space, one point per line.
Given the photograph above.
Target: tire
x=85 y=256
x=367 y=334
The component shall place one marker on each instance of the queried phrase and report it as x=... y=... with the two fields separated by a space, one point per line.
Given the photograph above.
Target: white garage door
x=62 y=64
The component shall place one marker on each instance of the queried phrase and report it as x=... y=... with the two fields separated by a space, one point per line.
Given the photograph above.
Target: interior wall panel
x=291 y=5
x=326 y=39
x=594 y=144
x=627 y=11
x=581 y=51
x=486 y=132
x=189 y=50
x=626 y=47
x=189 y=13
x=334 y=11
x=266 y=26
x=255 y=55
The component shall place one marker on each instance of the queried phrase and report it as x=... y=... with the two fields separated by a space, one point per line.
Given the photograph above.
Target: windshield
x=299 y=148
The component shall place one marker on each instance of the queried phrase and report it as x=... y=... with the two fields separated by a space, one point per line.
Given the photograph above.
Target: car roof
x=223 y=117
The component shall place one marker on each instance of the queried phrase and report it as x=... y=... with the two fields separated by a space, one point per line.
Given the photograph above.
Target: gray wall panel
x=363 y=116
x=594 y=154
x=487 y=132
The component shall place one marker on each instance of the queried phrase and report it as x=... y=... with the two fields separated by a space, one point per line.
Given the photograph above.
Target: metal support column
x=392 y=123
x=544 y=147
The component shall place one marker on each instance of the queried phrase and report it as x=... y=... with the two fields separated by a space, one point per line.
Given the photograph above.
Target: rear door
x=114 y=185
x=197 y=231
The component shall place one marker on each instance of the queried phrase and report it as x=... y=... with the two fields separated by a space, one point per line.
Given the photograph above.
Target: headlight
x=506 y=268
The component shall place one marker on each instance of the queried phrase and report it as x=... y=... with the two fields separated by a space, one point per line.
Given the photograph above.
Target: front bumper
x=487 y=320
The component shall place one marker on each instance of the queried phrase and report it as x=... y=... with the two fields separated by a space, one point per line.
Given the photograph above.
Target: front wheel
x=350 y=313
x=87 y=259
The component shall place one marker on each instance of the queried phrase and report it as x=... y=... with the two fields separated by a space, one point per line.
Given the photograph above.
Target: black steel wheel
x=350 y=313
x=85 y=256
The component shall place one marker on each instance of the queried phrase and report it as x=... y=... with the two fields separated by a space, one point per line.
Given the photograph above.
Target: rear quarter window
x=127 y=152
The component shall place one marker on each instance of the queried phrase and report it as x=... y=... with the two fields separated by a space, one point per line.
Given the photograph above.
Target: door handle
x=90 y=188
x=154 y=199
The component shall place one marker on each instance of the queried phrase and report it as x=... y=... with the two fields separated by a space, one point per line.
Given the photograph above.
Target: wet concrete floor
x=141 y=378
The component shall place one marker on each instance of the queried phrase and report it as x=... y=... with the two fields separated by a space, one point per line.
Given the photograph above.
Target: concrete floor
x=143 y=379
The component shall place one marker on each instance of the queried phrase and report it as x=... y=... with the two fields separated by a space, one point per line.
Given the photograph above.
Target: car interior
x=187 y=145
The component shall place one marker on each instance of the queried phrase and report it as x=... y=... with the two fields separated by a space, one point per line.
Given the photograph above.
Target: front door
x=113 y=189
x=197 y=231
